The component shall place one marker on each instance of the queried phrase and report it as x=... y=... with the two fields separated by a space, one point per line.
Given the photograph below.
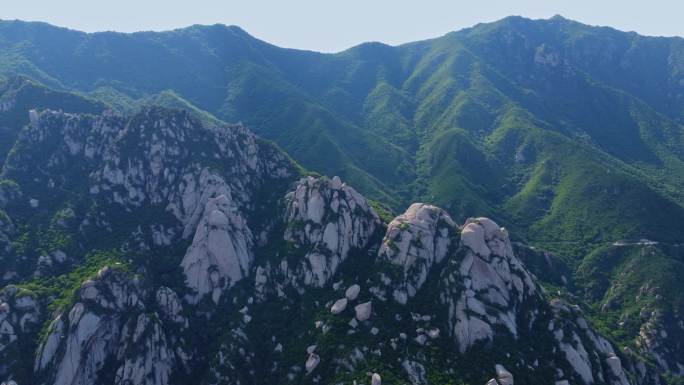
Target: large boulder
x=363 y=311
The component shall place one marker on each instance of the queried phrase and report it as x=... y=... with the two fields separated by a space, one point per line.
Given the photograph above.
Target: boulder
x=312 y=362
x=352 y=292
x=363 y=311
x=503 y=376
x=339 y=306
x=473 y=237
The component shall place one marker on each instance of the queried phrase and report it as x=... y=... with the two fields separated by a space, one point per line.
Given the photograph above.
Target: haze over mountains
x=569 y=135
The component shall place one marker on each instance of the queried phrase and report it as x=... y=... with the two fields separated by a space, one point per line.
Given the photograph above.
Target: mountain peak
x=558 y=17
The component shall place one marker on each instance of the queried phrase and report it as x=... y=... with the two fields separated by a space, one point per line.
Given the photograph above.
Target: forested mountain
x=115 y=152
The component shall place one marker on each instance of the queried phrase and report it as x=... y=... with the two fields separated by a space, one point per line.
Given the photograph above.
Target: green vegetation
x=458 y=121
x=570 y=136
x=385 y=213
x=20 y=94
x=62 y=288
x=627 y=283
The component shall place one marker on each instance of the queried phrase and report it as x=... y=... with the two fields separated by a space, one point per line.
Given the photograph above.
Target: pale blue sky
x=330 y=26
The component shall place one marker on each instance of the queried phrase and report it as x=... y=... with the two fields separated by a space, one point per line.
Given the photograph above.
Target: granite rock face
x=326 y=220
x=487 y=287
x=20 y=315
x=416 y=241
x=221 y=253
x=227 y=266
x=158 y=160
x=109 y=321
x=659 y=338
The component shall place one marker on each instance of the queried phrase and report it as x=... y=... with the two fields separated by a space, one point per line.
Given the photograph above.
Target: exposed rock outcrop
x=109 y=322
x=221 y=253
x=326 y=220
x=415 y=241
x=486 y=286
x=257 y=256
x=19 y=316
x=170 y=305
x=660 y=338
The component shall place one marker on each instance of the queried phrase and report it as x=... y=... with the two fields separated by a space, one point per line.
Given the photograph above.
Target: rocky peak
x=144 y=159
x=326 y=220
x=486 y=286
x=122 y=169
x=415 y=241
x=221 y=253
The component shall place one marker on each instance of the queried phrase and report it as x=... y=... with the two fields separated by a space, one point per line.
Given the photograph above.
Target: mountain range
x=148 y=241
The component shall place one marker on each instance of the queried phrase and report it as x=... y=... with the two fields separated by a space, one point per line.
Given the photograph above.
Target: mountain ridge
x=568 y=135
x=235 y=272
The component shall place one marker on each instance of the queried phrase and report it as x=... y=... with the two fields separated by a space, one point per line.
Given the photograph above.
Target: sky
x=332 y=26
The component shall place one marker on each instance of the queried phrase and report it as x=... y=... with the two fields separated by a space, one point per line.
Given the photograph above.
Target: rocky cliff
x=113 y=333
x=155 y=250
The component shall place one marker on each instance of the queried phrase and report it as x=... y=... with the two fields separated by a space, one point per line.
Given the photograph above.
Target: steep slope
x=102 y=174
x=112 y=319
x=621 y=281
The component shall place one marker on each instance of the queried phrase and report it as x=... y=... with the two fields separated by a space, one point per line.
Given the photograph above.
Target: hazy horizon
x=310 y=25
